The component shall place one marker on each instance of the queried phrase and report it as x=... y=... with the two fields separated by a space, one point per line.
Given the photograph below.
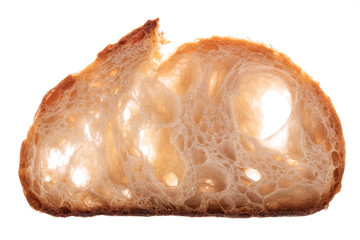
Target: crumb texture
x=222 y=127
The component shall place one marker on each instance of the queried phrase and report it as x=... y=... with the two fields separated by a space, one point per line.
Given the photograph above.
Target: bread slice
x=223 y=127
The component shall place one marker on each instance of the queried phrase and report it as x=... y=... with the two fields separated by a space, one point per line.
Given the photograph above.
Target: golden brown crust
x=217 y=212
x=336 y=125
x=136 y=35
x=25 y=155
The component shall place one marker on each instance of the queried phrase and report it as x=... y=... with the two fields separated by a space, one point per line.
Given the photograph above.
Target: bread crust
x=148 y=29
x=335 y=122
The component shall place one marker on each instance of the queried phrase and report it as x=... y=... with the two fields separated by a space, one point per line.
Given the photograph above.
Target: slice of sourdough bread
x=223 y=127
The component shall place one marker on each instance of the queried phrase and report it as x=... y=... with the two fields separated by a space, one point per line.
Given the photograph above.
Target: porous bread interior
x=183 y=135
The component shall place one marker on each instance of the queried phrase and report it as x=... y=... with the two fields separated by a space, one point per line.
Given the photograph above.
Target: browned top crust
x=136 y=35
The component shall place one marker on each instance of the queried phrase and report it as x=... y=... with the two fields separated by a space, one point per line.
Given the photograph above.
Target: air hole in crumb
x=59 y=158
x=130 y=110
x=36 y=138
x=52 y=97
x=278 y=158
x=317 y=130
x=253 y=174
x=335 y=158
x=208 y=185
x=226 y=204
x=96 y=112
x=47 y=178
x=127 y=114
x=320 y=134
x=267 y=188
x=171 y=179
x=246 y=182
x=194 y=202
x=200 y=139
x=228 y=149
x=70 y=119
x=73 y=94
x=80 y=176
x=254 y=197
x=87 y=131
x=275 y=108
x=146 y=143
x=211 y=179
x=262 y=104
x=337 y=146
x=292 y=162
x=215 y=81
x=113 y=72
x=198 y=156
x=97 y=84
x=336 y=174
x=126 y=193
x=308 y=173
x=327 y=145
x=306 y=119
x=116 y=90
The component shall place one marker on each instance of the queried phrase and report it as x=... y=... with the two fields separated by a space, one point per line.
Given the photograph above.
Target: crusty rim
x=135 y=211
x=150 y=27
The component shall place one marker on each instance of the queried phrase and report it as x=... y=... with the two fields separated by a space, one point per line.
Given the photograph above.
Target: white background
x=42 y=42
